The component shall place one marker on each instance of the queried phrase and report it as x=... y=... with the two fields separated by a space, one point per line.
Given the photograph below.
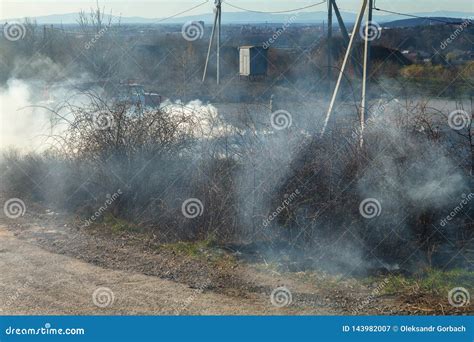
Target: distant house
x=253 y=61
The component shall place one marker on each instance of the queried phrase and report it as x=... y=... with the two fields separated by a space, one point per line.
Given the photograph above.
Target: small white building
x=253 y=61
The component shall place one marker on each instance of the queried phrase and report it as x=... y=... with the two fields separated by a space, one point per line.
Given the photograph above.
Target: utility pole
x=345 y=35
x=218 y=6
x=355 y=33
x=366 y=73
x=371 y=7
x=329 y=47
x=215 y=28
x=364 y=79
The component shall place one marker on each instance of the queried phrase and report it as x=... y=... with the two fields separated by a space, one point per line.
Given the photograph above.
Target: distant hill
x=250 y=18
x=423 y=22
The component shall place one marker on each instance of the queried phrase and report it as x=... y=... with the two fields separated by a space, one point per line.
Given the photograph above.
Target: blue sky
x=163 y=8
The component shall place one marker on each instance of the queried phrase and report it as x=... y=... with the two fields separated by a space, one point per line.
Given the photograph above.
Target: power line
x=156 y=21
x=182 y=12
x=413 y=16
x=275 y=12
x=170 y=17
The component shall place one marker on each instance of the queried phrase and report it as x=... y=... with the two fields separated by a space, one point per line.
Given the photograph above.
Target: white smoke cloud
x=21 y=125
x=205 y=116
x=28 y=112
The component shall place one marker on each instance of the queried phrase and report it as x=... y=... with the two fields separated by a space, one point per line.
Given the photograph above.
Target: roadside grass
x=432 y=282
x=205 y=250
x=193 y=249
x=118 y=225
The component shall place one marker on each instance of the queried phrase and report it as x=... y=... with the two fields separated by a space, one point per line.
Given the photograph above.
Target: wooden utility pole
x=355 y=33
x=218 y=6
x=366 y=72
x=364 y=81
x=215 y=28
x=345 y=35
x=371 y=7
x=329 y=45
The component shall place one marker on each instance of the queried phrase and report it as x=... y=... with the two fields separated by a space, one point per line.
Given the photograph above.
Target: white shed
x=253 y=60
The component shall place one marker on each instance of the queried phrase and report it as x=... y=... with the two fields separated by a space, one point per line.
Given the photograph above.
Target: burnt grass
x=238 y=270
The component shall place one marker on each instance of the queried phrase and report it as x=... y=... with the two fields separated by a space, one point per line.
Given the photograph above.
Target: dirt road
x=36 y=281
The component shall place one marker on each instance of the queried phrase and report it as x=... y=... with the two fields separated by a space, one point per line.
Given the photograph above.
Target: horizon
x=177 y=19
x=164 y=8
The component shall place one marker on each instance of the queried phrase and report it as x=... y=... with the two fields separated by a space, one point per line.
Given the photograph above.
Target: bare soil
x=51 y=264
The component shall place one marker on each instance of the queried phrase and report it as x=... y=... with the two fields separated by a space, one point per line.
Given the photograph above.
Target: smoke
x=32 y=109
x=207 y=122
x=21 y=125
x=39 y=68
x=410 y=176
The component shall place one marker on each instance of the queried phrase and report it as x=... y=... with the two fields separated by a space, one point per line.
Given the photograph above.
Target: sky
x=164 y=8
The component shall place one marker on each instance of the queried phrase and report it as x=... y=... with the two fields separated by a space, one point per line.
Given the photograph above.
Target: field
x=122 y=172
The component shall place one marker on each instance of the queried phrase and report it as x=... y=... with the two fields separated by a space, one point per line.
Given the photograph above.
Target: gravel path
x=37 y=281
